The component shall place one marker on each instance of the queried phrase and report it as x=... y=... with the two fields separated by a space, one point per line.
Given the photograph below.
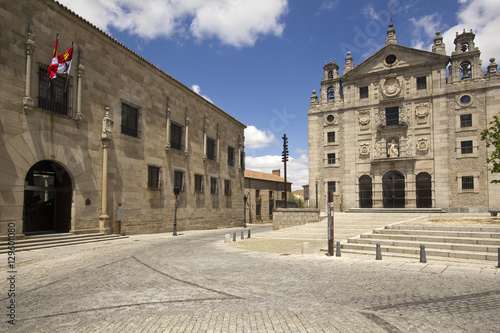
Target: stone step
x=397 y=210
x=451 y=233
x=428 y=245
x=435 y=239
x=444 y=228
x=48 y=241
x=371 y=249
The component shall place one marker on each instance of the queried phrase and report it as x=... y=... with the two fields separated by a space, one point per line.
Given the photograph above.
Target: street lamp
x=176 y=192
x=316 y=193
x=245 y=198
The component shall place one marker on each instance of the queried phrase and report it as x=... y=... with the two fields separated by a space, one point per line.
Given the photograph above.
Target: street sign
x=176 y=203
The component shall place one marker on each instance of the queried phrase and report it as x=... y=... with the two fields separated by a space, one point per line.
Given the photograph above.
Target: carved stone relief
x=364 y=117
x=422 y=110
x=364 y=149
x=423 y=144
x=391 y=87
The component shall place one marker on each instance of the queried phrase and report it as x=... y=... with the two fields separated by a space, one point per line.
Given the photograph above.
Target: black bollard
x=498 y=258
x=378 y=255
x=423 y=259
x=248 y=234
x=234 y=237
x=242 y=235
x=337 y=252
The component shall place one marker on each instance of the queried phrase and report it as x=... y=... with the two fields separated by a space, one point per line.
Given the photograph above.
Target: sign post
x=176 y=192
x=330 y=229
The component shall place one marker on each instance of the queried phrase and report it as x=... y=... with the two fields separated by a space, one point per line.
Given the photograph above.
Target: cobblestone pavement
x=196 y=283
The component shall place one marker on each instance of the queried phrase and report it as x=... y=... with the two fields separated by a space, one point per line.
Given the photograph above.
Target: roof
x=264 y=176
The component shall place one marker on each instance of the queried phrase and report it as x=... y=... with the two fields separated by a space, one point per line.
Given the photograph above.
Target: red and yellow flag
x=60 y=64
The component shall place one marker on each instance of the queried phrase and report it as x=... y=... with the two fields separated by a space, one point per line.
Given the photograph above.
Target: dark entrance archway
x=424 y=190
x=47 y=199
x=393 y=187
x=365 y=192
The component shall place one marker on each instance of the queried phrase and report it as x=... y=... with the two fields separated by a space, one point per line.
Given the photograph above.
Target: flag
x=60 y=64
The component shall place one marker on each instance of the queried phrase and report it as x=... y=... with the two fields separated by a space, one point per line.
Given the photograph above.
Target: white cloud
x=297 y=168
x=255 y=138
x=237 y=23
x=425 y=28
x=196 y=88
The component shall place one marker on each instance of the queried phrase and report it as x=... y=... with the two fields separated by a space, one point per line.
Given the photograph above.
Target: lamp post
x=316 y=193
x=245 y=198
x=176 y=192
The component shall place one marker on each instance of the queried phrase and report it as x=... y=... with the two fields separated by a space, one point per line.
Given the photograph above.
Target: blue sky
x=259 y=60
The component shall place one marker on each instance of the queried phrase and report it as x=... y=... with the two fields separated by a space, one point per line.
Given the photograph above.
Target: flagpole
x=53 y=55
x=67 y=75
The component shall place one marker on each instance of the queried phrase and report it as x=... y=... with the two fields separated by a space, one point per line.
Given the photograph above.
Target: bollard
x=305 y=248
x=498 y=258
x=378 y=255
x=337 y=253
x=248 y=234
x=227 y=238
x=423 y=259
x=234 y=237
x=242 y=235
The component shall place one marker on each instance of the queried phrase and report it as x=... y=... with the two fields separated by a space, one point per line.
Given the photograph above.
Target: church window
x=331 y=94
x=466 y=147
x=363 y=92
x=392 y=116
x=465 y=99
x=390 y=59
x=330 y=118
x=465 y=120
x=467 y=182
x=331 y=158
x=331 y=136
x=421 y=83
x=332 y=187
x=330 y=75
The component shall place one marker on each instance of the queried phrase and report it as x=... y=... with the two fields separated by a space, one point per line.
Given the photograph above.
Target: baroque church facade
x=402 y=129
x=117 y=131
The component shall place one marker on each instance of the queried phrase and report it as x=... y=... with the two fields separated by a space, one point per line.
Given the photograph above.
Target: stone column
x=28 y=102
x=106 y=137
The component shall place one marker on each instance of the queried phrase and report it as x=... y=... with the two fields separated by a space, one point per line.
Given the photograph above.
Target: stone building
x=402 y=129
x=265 y=192
x=116 y=130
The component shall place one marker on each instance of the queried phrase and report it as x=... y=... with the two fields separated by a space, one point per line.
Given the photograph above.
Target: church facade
x=402 y=129
x=108 y=142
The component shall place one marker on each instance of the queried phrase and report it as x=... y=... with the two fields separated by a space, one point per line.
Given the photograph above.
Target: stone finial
x=349 y=64
x=314 y=97
x=438 y=46
x=391 y=35
x=492 y=69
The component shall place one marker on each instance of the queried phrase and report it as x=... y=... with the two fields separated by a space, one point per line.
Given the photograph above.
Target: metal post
x=338 y=249
x=378 y=255
x=176 y=192
x=234 y=237
x=423 y=258
x=248 y=234
x=330 y=229
x=316 y=194
x=498 y=258
x=245 y=198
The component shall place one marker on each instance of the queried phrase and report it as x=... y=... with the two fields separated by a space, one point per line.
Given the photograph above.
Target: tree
x=491 y=136
x=298 y=201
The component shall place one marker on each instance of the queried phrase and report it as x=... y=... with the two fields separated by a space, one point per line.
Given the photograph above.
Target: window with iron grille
x=230 y=156
x=198 y=183
x=227 y=187
x=130 y=120
x=465 y=120
x=363 y=92
x=332 y=187
x=468 y=183
x=466 y=147
x=421 y=83
x=213 y=185
x=178 y=179
x=210 y=149
x=175 y=136
x=331 y=158
x=392 y=116
x=331 y=136
x=153 y=177
x=54 y=95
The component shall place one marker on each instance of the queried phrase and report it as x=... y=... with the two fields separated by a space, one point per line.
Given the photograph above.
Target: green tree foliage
x=491 y=136
x=298 y=201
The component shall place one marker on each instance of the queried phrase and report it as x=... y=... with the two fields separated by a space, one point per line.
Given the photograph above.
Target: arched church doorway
x=365 y=192
x=47 y=199
x=424 y=190
x=393 y=187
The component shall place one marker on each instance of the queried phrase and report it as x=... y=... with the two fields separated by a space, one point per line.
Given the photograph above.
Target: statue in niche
x=393 y=150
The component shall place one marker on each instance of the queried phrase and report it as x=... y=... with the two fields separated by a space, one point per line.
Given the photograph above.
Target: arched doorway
x=393 y=187
x=47 y=199
x=365 y=192
x=424 y=190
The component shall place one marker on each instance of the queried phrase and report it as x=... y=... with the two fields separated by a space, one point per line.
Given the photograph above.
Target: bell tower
x=331 y=86
x=465 y=61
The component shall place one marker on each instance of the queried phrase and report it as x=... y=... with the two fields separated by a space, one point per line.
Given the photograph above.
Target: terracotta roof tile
x=264 y=176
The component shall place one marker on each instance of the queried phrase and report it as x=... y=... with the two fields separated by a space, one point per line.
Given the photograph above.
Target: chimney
x=276 y=172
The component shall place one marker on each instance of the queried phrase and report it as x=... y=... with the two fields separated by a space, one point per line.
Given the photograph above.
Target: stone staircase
x=44 y=241
x=480 y=243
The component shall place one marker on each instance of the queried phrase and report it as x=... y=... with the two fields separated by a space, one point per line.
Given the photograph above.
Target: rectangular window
x=227 y=187
x=363 y=92
x=175 y=136
x=210 y=149
x=242 y=160
x=332 y=187
x=331 y=158
x=53 y=96
x=392 y=116
x=466 y=147
x=421 y=83
x=178 y=178
x=331 y=136
x=468 y=183
x=213 y=185
x=153 y=177
x=466 y=120
x=230 y=156
x=130 y=117
x=198 y=183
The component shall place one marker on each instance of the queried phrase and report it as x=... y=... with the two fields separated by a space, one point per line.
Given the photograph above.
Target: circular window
x=465 y=99
x=330 y=118
x=390 y=59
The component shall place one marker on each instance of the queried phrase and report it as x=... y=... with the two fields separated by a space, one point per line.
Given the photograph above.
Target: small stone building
x=402 y=129
x=265 y=192
x=116 y=130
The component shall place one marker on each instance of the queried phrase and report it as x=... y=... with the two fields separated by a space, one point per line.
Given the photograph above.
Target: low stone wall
x=289 y=217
